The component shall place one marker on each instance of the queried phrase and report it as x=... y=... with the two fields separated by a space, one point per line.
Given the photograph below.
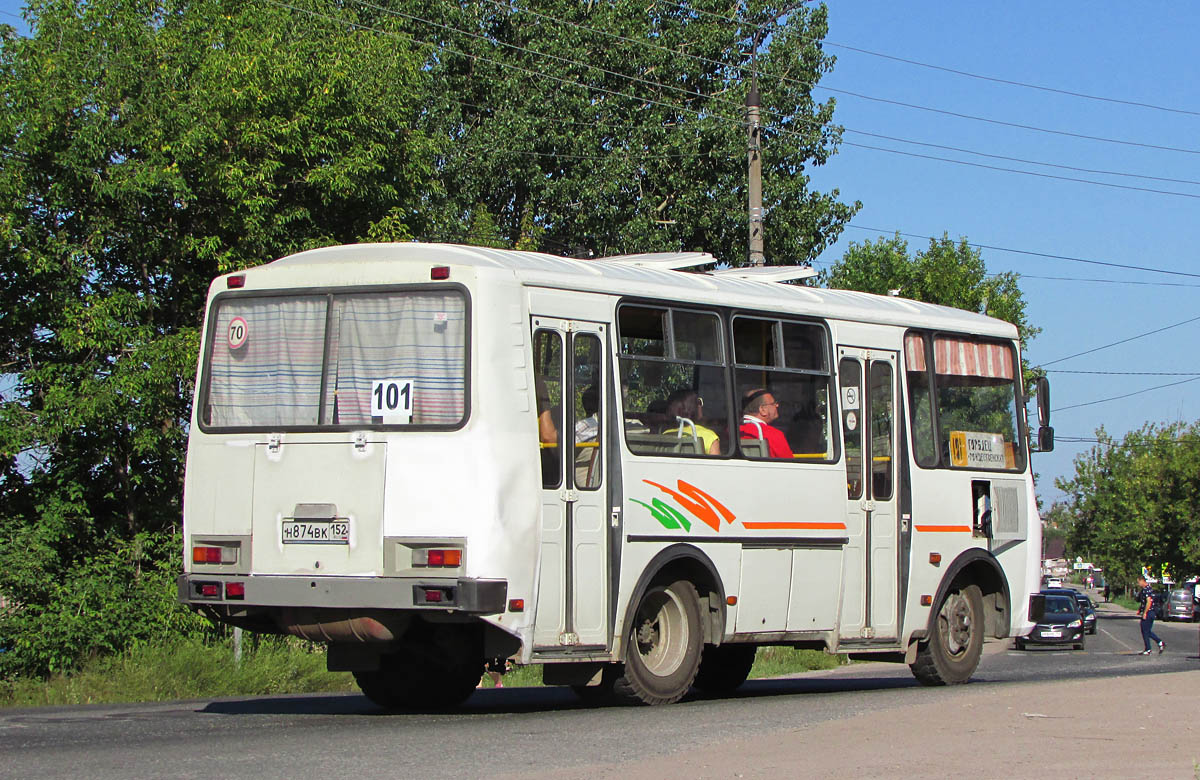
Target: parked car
x=1054 y=582
x=1061 y=624
x=1180 y=605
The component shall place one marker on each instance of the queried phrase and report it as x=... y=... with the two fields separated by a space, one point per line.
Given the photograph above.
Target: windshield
x=1059 y=605
x=964 y=412
x=336 y=360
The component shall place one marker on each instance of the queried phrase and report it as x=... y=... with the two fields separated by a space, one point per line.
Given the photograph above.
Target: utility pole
x=757 y=257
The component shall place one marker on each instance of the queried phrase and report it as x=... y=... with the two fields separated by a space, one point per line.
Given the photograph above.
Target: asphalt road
x=539 y=732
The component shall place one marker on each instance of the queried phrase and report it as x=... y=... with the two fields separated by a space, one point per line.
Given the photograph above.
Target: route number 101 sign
x=392 y=399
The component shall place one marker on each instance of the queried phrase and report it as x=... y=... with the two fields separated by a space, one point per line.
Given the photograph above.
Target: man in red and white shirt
x=759 y=410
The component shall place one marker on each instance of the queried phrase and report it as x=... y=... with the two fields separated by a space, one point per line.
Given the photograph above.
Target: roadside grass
x=188 y=669
x=191 y=669
x=1125 y=601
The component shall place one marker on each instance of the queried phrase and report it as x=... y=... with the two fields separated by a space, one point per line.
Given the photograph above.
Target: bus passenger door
x=870 y=597
x=570 y=367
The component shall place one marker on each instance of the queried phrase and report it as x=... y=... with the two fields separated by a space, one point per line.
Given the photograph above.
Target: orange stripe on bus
x=798 y=526
x=946 y=528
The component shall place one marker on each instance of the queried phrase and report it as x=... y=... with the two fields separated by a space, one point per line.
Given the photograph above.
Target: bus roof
x=650 y=276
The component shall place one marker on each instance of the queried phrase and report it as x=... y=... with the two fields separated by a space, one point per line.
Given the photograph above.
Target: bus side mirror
x=1045 y=439
x=1042 y=388
x=1037 y=607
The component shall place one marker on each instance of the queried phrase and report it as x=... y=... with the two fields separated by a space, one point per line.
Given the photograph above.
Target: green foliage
x=147 y=147
x=620 y=126
x=946 y=273
x=185 y=668
x=98 y=601
x=1133 y=503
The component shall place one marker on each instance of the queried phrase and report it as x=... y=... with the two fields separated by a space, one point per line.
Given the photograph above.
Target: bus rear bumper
x=461 y=594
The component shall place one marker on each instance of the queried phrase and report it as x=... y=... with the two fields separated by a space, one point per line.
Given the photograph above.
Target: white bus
x=432 y=456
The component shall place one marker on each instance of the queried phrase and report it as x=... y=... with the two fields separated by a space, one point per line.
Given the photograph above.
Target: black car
x=1061 y=624
x=1088 y=610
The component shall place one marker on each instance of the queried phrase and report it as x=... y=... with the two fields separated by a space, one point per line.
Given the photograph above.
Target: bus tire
x=723 y=668
x=951 y=654
x=663 y=647
x=436 y=674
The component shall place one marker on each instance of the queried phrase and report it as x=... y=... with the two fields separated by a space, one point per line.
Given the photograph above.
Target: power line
x=1105 y=281
x=732 y=104
x=741 y=71
x=1124 y=266
x=1124 y=373
x=1122 y=341
x=1011 y=82
x=1026 y=173
x=1002 y=123
x=1126 y=395
x=1018 y=159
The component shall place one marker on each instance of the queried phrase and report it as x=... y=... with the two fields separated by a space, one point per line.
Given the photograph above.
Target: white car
x=1054 y=582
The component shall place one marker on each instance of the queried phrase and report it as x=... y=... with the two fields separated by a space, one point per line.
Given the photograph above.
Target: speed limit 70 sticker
x=239 y=331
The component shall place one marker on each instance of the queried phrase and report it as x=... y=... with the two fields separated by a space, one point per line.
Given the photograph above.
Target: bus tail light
x=439 y=272
x=425 y=595
x=235 y=282
x=235 y=590
x=447 y=557
x=208 y=590
x=203 y=553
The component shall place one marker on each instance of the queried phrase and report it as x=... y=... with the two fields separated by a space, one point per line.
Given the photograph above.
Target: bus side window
x=547 y=379
x=588 y=412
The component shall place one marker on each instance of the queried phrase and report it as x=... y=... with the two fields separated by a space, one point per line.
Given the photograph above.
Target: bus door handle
x=867 y=505
x=569 y=496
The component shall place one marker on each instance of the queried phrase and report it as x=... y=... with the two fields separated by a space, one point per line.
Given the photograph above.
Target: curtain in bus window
x=268 y=374
x=417 y=338
x=960 y=357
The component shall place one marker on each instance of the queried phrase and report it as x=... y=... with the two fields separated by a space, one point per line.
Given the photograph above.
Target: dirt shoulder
x=1113 y=727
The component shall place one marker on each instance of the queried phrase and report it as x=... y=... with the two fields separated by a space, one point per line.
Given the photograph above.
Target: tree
x=619 y=126
x=148 y=147
x=946 y=273
x=1133 y=502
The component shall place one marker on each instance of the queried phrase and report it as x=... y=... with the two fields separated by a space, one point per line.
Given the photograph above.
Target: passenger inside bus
x=687 y=409
x=760 y=409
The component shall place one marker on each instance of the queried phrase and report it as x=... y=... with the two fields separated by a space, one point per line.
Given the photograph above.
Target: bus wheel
x=664 y=644
x=438 y=673
x=952 y=653
x=723 y=668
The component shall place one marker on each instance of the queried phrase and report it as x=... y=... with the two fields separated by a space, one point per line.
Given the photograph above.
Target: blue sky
x=1138 y=53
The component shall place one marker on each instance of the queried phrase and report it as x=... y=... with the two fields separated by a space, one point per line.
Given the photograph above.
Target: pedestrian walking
x=1106 y=592
x=1146 y=615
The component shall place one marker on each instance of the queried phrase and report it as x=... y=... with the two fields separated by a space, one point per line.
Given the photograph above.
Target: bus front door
x=571 y=374
x=870 y=597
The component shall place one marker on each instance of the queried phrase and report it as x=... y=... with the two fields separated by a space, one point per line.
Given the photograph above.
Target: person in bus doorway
x=759 y=410
x=687 y=407
x=1146 y=614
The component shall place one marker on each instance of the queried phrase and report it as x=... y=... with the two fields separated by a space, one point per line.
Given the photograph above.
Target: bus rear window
x=341 y=360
